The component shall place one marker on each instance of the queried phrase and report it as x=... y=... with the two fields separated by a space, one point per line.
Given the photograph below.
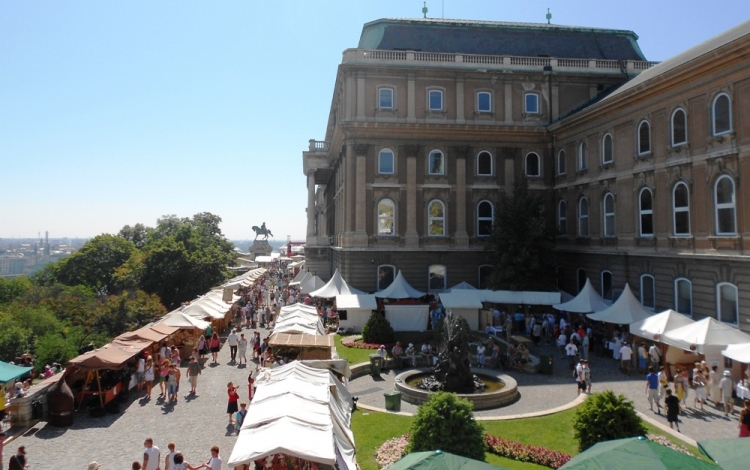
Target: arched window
x=583 y=156
x=485 y=218
x=683 y=296
x=436 y=219
x=679 y=127
x=533 y=165
x=386 y=162
x=721 y=114
x=644 y=138
x=484 y=164
x=484 y=102
x=562 y=217
x=386 y=275
x=583 y=217
x=561 y=162
x=437 y=279
x=436 y=163
x=485 y=271
x=386 y=218
x=681 y=209
x=727 y=303
x=724 y=206
x=648 y=291
x=581 y=277
x=385 y=98
x=646 y=213
x=607 y=152
x=608 y=211
x=607 y=285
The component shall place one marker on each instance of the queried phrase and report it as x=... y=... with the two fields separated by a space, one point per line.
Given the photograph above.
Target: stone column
x=411 y=99
x=349 y=182
x=360 y=96
x=461 y=237
x=311 y=208
x=360 y=190
x=508 y=103
x=411 y=236
x=460 y=101
x=555 y=99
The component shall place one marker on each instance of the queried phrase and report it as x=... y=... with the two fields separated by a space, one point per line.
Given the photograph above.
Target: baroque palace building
x=640 y=164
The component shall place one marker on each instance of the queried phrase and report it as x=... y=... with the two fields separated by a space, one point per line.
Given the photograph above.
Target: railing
x=318 y=145
x=352 y=56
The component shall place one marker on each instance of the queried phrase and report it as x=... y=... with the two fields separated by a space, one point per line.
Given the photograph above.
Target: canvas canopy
x=460 y=299
x=336 y=286
x=301 y=280
x=463 y=286
x=264 y=259
x=148 y=333
x=301 y=340
x=110 y=356
x=178 y=319
x=587 y=301
x=9 y=372
x=356 y=302
x=399 y=289
x=438 y=460
x=407 y=317
x=245 y=279
x=299 y=325
x=655 y=325
x=626 y=310
x=311 y=284
x=706 y=332
x=200 y=309
x=519 y=297
x=729 y=454
x=738 y=352
x=308 y=309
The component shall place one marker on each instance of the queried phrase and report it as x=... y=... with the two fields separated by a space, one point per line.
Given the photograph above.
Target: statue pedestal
x=260 y=248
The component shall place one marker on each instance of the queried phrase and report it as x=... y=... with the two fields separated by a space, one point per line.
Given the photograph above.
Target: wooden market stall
x=302 y=346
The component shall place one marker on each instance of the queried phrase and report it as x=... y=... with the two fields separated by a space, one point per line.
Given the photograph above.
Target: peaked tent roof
x=587 y=301
x=9 y=372
x=306 y=276
x=463 y=285
x=655 y=325
x=738 y=352
x=399 y=289
x=336 y=286
x=706 y=332
x=180 y=320
x=626 y=310
x=109 y=356
x=312 y=284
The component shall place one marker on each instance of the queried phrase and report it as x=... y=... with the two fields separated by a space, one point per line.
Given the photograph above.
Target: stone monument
x=261 y=247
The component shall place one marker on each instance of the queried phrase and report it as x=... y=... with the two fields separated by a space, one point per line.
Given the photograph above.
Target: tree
x=94 y=265
x=521 y=244
x=137 y=234
x=128 y=311
x=446 y=422
x=605 y=416
x=13 y=288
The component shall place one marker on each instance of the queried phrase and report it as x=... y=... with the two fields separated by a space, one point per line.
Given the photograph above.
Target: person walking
x=242 y=348
x=214 y=463
x=232 y=398
x=642 y=356
x=169 y=463
x=193 y=371
x=18 y=461
x=727 y=386
x=672 y=403
x=571 y=351
x=699 y=384
x=714 y=391
x=148 y=376
x=202 y=349
x=681 y=385
x=232 y=341
x=626 y=354
x=151 y=456
x=163 y=375
x=139 y=370
x=215 y=345
x=652 y=389
x=240 y=416
x=654 y=356
x=171 y=384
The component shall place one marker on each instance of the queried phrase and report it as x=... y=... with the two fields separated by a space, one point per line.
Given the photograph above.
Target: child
x=672 y=404
x=240 y=416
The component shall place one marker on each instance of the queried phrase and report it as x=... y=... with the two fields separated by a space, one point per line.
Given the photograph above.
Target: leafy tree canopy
x=95 y=263
x=521 y=244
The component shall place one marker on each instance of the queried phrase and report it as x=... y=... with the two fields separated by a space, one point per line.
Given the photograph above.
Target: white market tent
x=655 y=326
x=358 y=309
x=299 y=325
x=738 y=352
x=336 y=286
x=178 y=319
x=311 y=284
x=245 y=279
x=263 y=259
x=627 y=309
x=286 y=309
x=701 y=335
x=203 y=309
x=399 y=289
x=587 y=301
x=301 y=278
x=519 y=297
x=463 y=285
x=463 y=303
x=404 y=317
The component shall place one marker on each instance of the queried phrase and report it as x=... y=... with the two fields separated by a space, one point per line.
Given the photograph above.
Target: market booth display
x=302 y=346
x=354 y=310
x=188 y=330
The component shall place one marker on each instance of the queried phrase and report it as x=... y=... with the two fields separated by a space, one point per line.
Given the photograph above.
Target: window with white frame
x=607 y=152
x=437 y=279
x=646 y=213
x=484 y=102
x=607 y=285
x=608 y=211
x=533 y=165
x=679 y=127
x=386 y=218
x=531 y=103
x=484 y=163
x=644 y=138
x=485 y=218
x=435 y=100
x=436 y=163
x=581 y=278
x=583 y=217
x=386 y=275
x=648 y=291
x=727 y=303
x=385 y=98
x=562 y=217
x=583 y=156
x=436 y=218
x=386 y=162
x=561 y=162
x=485 y=271
x=681 y=209
x=721 y=114
x=683 y=296
x=725 y=206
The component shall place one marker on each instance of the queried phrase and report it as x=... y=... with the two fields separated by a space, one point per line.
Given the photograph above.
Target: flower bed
x=526 y=453
x=391 y=451
x=355 y=341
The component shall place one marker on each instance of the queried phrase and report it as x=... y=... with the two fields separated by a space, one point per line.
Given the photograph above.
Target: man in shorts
x=193 y=371
x=652 y=389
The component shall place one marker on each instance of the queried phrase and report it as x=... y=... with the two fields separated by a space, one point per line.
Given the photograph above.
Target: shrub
x=605 y=416
x=378 y=330
x=446 y=422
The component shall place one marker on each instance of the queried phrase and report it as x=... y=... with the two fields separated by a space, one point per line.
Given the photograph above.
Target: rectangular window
x=437 y=277
x=484 y=102
x=531 y=103
x=385 y=98
x=435 y=98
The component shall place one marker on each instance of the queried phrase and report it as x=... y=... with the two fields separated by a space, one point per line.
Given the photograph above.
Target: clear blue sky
x=114 y=113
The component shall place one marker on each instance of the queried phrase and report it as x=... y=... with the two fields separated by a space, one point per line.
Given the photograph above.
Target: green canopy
x=730 y=454
x=632 y=453
x=9 y=372
x=439 y=460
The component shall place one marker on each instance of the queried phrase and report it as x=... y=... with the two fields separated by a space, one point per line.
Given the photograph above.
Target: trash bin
x=376 y=362
x=392 y=401
x=545 y=364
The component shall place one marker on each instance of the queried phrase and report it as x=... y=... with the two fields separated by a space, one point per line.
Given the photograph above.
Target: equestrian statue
x=262 y=230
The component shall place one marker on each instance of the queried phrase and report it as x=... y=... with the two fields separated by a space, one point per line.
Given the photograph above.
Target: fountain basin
x=482 y=400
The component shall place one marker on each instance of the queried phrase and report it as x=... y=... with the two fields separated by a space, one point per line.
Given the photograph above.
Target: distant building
x=13 y=264
x=640 y=164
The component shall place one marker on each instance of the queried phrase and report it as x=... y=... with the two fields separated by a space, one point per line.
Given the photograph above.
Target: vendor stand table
x=743 y=391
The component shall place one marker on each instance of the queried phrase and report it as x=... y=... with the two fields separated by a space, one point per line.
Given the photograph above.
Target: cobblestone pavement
x=194 y=424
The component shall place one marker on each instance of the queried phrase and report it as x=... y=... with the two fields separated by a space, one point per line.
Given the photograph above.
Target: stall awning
x=110 y=356
x=587 y=301
x=460 y=298
x=301 y=340
x=356 y=302
x=399 y=289
x=738 y=352
x=519 y=297
x=335 y=286
x=9 y=372
x=148 y=333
